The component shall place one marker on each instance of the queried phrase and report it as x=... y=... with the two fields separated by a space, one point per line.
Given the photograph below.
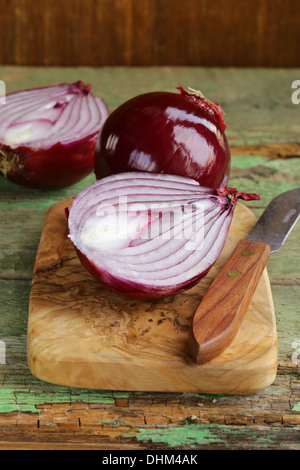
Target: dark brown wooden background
x=150 y=32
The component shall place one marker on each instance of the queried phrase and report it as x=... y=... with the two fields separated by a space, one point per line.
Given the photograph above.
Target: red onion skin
x=138 y=291
x=56 y=167
x=36 y=168
x=160 y=132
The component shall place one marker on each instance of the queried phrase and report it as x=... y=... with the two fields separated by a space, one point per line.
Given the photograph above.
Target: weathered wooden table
x=264 y=135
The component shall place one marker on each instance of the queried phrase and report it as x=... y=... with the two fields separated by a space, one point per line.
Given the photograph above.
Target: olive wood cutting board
x=82 y=335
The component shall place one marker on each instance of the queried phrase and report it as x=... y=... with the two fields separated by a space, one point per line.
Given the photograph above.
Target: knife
x=223 y=307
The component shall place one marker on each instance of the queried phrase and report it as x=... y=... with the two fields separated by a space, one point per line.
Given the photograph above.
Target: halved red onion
x=147 y=235
x=48 y=134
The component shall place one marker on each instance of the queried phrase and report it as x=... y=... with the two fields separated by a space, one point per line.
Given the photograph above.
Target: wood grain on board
x=82 y=335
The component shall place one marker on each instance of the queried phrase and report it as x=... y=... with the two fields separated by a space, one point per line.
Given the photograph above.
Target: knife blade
x=222 y=309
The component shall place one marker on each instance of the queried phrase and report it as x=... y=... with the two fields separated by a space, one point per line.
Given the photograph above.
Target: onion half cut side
x=146 y=235
x=48 y=134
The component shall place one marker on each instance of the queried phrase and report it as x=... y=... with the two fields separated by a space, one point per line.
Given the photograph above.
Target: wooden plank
x=83 y=408
x=150 y=32
x=257 y=102
x=268 y=419
x=189 y=436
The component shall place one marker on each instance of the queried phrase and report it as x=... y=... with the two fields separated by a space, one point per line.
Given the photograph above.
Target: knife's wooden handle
x=222 y=309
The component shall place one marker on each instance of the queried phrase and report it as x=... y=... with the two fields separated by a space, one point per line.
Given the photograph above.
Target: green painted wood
x=258 y=110
x=257 y=102
x=207 y=436
x=286 y=301
x=19 y=207
x=268 y=178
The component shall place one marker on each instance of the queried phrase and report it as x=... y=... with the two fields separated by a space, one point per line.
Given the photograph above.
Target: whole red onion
x=48 y=135
x=162 y=132
x=147 y=235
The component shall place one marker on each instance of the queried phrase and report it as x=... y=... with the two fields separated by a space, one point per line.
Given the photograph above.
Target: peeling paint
x=27 y=399
x=19 y=408
x=197 y=435
x=296 y=407
x=187 y=435
x=9 y=403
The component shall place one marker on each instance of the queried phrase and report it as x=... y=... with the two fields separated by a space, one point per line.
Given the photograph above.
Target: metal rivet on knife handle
x=233 y=273
x=248 y=253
